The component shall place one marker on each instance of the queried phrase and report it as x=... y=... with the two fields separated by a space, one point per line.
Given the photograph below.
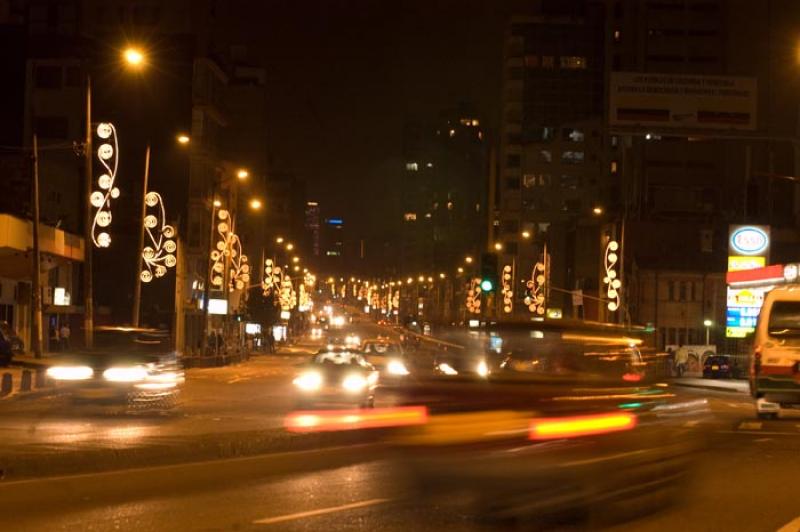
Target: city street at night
x=415 y=265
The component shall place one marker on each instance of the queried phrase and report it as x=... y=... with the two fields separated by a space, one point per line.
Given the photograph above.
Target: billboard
x=682 y=101
x=748 y=251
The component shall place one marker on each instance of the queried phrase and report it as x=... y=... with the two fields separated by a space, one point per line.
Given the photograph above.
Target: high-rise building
x=443 y=196
x=589 y=154
x=312 y=227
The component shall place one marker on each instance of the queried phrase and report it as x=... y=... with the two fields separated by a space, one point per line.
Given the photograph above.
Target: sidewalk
x=720 y=385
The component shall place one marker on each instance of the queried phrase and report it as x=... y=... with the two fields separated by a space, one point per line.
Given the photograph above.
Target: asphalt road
x=744 y=481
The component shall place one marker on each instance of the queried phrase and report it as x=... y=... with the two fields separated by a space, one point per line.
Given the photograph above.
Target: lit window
x=572 y=62
x=572 y=157
x=475 y=122
x=410 y=216
x=572 y=134
x=412 y=167
x=429 y=165
x=427 y=215
x=449 y=205
x=333 y=253
x=613 y=167
x=617 y=35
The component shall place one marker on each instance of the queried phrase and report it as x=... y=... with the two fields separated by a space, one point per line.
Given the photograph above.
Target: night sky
x=344 y=76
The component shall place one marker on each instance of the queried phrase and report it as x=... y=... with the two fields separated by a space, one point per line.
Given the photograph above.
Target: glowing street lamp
x=133 y=57
x=289 y=246
x=242 y=174
x=295 y=259
x=217 y=203
x=498 y=246
x=279 y=240
x=526 y=234
x=598 y=211
x=468 y=259
x=255 y=204
x=183 y=139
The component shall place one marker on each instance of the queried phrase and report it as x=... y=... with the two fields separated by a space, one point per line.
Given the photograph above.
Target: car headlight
x=125 y=374
x=447 y=369
x=482 y=369
x=354 y=383
x=396 y=367
x=70 y=373
x=309 y=381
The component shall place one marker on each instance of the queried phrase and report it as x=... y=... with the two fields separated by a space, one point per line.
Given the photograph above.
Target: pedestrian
x=55 y=341
x=271 y=342
x=64 y=335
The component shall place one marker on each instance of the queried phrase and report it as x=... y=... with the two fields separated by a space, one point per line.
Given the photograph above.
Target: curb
x=20 y=463
x=708 y=387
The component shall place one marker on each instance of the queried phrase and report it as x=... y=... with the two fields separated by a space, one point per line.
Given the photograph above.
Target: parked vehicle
x=718 y=367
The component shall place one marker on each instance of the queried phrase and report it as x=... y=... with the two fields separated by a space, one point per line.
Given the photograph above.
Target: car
x=563 y=427
x=336 y=376
x=718 y=367
x=134 y=367
x=388 y=357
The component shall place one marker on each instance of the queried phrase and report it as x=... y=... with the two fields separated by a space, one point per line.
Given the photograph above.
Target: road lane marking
x=792 y=526
x=321 y=511
x=750 y=425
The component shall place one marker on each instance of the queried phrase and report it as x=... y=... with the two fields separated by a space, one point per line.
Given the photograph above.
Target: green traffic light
x=486 y=285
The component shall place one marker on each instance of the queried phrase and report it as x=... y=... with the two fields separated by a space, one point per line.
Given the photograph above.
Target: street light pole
x=36 y=341
x=88 y=301
x=137 y=294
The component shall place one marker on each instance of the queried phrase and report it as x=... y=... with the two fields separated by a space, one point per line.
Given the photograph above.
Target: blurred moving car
x=570 y=423
x=388 y=358
x=718 y=367
x=131 y=366
x=336 y=375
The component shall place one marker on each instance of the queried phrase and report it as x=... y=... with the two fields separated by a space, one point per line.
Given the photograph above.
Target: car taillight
x=572 y=427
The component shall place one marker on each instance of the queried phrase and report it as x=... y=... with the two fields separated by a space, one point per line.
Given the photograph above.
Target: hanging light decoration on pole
x=108 y=156
x=474 y=296
x=159 y=254
x=229 y=247
x=613 y=284
x=535 y=299
x=508 y=291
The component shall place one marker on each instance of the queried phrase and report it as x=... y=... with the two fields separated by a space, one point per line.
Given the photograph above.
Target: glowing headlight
x=70 y=373
x=352 y=340
x=309 y=381
x=129 y=374
x=482 y=369
x=396 y=367
x=447 y=369
x=354 y=383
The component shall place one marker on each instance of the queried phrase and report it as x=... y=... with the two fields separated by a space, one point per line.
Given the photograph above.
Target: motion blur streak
x=354 y=419
x=602 y=340
x=570 y=427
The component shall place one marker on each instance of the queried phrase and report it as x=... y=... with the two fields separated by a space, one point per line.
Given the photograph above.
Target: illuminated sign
x=749 y=240
x=736 y=332
x=554 y=313
x=218 y=306
x=335 y=221
x=252 y=328
x=746 y=297
x=790 y=272
x=285 y=315
x=737 y=264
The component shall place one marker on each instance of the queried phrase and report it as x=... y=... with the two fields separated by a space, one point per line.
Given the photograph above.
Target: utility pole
x=36 y=341
x=88 y=302
x=137 y=294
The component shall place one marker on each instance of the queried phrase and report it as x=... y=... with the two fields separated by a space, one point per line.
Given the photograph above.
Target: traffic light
x=488 y=272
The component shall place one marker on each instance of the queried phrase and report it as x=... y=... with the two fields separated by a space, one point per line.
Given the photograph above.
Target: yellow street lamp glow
x=297 y=268
x=217 y=203
x=133 y=57
x=421 y=278
x=242 y=174
x=526 y=234
x=430 y=279
x=409 y=280
x=597 y=210
x=183 y=139
x=498 y=246
x=460 y=269
x=468 y=259
x=289 y=246
x=295 y=259
x=442 y=276
x=255 y=204
x=279 y=240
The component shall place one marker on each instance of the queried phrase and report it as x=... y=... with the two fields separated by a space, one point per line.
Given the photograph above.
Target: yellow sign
x=737 y=332
x=737 y=264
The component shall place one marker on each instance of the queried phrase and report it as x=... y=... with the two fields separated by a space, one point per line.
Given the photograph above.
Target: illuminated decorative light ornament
x=228 y=248
x=267 y=283
x=535 y=299
x=474 y=296
x=159 y=254
x=108 y=156
x=613 y=284
x=508 y=292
